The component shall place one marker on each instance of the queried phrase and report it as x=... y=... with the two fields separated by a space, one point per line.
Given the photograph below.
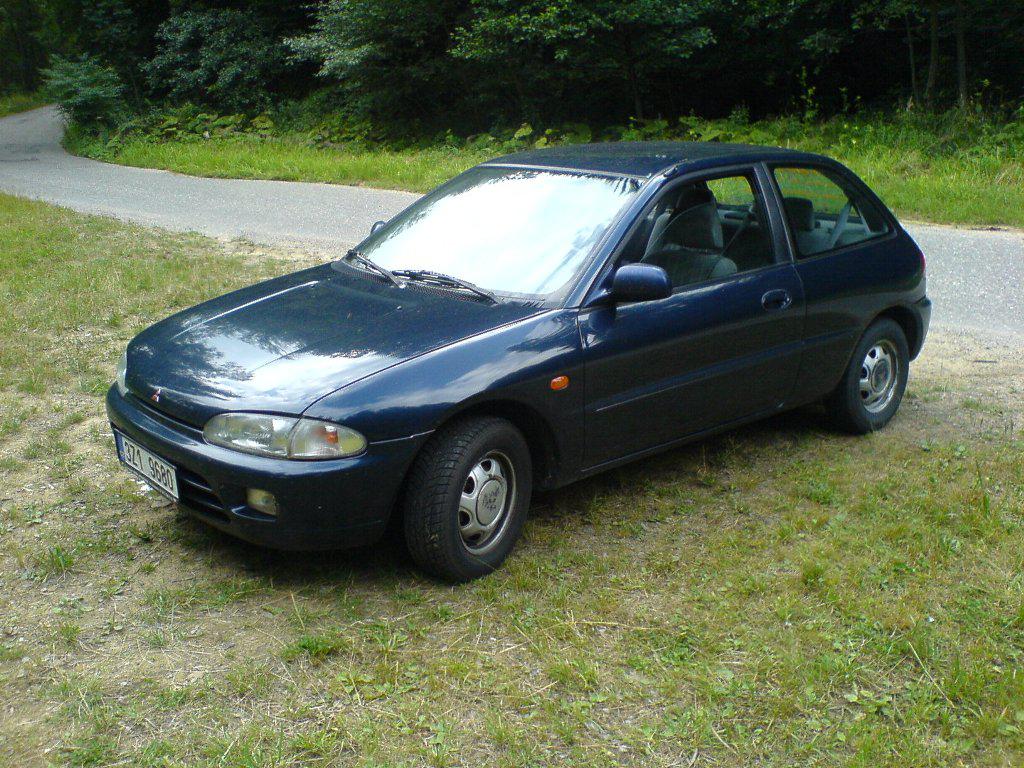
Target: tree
x=1000 y=25
x=905 y=13
x=628 y=41
x=961 y=54
x=88 y=92
x=389 y=58
x=121 y=34
x=933 y=53
x=422 y=67
x=224 y=58
x=21 y=23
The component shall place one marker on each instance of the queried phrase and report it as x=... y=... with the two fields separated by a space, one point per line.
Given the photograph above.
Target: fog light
x=262 y=501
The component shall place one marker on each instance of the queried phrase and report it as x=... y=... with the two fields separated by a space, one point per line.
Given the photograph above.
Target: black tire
x=436 y=521
x=859 y=410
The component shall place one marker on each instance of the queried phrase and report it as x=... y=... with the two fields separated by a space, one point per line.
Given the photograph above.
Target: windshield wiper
x=373 y=266
x=439 y=278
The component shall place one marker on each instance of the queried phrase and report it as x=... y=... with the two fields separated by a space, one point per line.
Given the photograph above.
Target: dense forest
x=473 y=64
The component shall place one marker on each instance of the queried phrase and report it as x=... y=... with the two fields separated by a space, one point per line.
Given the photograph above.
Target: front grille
x=197 y=494
x=162 y=416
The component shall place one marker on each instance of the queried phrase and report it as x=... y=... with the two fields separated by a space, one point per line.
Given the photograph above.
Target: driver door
x=724 y=347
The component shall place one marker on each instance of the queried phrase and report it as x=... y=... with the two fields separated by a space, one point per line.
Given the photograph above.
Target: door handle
x=777 y=300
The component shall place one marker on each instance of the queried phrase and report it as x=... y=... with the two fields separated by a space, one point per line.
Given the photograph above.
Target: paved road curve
x=976 y=278
x=33 y=164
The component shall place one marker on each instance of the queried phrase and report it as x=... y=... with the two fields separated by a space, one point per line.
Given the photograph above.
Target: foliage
x=88 y=92
x=390 y=59
x=451 y=63
x=593 y=43
x=221 y=57
x=956 y=167
x=400 y=94
x=120 y=35
x=20 y=102
x=21 y=22
x=427 y=66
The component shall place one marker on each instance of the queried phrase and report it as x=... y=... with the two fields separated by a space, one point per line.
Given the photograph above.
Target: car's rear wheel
x=872 y=386
x=467 y=497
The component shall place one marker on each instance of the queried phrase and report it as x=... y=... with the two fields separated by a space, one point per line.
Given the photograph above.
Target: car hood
x=281 y=345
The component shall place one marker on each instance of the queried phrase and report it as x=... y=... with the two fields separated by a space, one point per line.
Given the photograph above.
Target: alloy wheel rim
x=488 y=495
x=879 y=375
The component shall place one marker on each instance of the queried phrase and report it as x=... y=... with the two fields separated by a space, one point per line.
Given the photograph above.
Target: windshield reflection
x=509 y=230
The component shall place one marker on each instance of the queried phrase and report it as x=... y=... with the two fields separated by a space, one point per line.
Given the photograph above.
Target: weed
x=55 y=560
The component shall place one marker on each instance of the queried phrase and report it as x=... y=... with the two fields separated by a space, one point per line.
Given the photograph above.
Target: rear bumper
x=922 y=309
x=321 y=504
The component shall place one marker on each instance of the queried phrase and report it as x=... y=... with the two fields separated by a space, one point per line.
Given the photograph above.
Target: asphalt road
x=975 y=278
x=33 y=164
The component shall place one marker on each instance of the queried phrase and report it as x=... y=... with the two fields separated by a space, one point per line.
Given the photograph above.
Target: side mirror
x=377 y=225
x=640 y=282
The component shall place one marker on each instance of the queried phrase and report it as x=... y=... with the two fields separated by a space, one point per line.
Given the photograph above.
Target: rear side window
x=825 y=212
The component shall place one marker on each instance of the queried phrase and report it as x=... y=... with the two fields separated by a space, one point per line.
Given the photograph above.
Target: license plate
x=154 y=470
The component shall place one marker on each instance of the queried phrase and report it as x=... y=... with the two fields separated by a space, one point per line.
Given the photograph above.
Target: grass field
x=947 y=169
x=19 y=102
x=779 y=596
x=293 y=159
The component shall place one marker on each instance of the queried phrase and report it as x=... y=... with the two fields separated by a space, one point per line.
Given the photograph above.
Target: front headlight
x=283 y=437
x=122 y=371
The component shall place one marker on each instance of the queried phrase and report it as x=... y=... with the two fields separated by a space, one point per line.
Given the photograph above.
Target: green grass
x=69 y=283
x=953 y=168
x=19 y=102
x=778 y=596
x=292 y=159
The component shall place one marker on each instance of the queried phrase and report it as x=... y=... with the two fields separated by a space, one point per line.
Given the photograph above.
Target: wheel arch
x=540 y=437
x=908 y=321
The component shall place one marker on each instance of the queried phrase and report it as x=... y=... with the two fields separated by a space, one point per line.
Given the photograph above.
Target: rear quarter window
x=825 y=212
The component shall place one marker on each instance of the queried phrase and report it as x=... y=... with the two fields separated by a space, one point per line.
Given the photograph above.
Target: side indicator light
x=559 y=383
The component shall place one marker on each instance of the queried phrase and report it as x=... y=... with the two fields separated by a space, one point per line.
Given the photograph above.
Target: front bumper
x=321 y=504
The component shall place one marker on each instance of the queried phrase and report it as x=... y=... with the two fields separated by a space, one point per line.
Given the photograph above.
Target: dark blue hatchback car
x=537 y=319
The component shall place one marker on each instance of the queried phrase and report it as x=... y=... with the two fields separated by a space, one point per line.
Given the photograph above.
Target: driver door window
x=705 y=230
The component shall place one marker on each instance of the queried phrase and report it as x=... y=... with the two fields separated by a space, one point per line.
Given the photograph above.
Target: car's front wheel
x=467 y=497
x=872 y=386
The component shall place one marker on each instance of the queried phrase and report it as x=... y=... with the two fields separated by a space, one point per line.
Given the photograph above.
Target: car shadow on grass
x=789 y=431
x=388 y=563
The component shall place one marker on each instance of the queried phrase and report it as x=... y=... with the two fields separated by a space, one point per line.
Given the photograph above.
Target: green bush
x=88 y=92
x=224 y=58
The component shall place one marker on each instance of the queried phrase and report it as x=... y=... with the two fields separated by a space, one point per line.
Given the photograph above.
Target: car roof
x=643 y=159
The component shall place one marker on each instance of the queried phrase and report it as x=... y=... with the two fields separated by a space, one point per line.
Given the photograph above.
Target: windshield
x=508 y=230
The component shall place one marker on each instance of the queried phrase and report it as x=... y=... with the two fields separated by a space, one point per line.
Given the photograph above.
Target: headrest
x=801 y=213
x=698 y=227
x=693 y=195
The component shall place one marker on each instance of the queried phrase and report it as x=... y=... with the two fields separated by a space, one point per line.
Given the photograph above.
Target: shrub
x=223 y=58
x=87 y=92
